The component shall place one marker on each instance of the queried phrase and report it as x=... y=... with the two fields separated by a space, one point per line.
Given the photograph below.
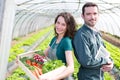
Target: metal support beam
x=7 y=15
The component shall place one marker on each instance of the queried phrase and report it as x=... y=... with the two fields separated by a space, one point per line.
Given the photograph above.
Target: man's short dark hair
x=88 y=4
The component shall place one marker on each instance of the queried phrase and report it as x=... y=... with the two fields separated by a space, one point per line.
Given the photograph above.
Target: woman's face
x=60 y=26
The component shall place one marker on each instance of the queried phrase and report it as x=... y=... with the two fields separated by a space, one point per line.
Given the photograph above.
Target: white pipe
x=7 y=15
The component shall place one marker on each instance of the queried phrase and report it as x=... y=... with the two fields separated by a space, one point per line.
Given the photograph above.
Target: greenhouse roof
x=109 y=11
x=51 y=7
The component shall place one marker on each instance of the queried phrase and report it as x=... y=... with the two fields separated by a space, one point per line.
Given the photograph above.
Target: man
x=86 y=43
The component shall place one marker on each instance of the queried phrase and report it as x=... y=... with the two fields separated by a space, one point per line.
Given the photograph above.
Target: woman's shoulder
x=66 y=39
x=54 y=38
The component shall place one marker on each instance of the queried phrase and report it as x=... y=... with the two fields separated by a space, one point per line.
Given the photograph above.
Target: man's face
x=90 y=16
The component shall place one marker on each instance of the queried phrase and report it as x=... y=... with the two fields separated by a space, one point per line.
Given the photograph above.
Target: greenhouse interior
x=28 y=26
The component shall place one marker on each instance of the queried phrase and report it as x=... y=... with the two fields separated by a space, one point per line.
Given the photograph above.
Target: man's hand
x=107 y=67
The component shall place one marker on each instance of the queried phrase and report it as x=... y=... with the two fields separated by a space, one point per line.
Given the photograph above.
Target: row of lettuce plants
x=17 y=49
x=114 y=52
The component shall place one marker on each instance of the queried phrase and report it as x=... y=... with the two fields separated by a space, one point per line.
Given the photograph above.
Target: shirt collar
x=92 y=28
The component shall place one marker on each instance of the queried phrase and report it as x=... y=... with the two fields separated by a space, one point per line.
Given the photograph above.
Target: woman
x=60 y=46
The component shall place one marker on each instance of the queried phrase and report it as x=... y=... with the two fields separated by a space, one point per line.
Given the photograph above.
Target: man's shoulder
x=82 y=30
